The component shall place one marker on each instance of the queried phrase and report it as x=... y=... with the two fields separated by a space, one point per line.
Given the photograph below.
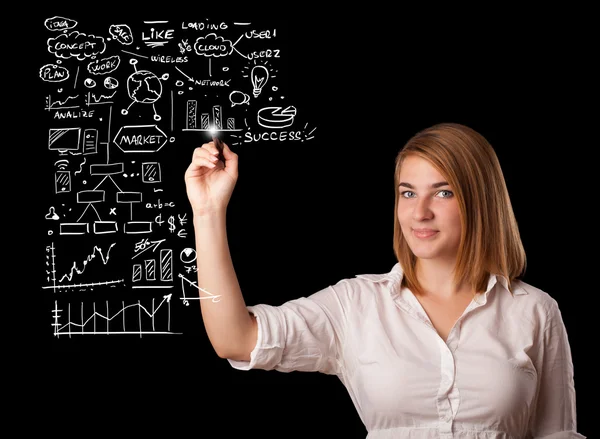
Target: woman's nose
x=422 y=210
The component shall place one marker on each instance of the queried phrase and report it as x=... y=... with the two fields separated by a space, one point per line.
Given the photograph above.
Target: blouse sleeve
x=554 y=416
x=304 y=334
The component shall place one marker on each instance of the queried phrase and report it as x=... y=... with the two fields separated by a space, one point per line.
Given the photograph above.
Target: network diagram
x=120 y=100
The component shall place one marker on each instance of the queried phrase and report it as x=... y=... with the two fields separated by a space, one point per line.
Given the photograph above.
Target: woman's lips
x=425 y=233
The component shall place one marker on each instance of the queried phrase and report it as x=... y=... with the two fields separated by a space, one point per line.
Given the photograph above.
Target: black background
x=305 y=216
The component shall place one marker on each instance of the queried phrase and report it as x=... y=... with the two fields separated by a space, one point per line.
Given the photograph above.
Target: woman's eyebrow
x=434 y=185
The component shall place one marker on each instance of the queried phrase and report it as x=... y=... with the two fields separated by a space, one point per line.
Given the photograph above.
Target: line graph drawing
x=185 y=299
x=100 y=324
x=57 y=283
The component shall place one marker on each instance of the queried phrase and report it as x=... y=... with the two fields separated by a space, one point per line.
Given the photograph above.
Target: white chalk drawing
x=151 y=172
x=110 y=83
x=140 y=138
x=52 y=215
x=276 y=117
x=90 y=141
x=53 y=73
x=259 y=77
x=62 y=177
x=64 y=139
x=92 y=99
x=74 y=228
x=146 y=271
x=213 y=45
x=187 y=255
x=145 y=245
x=62 y=182
x=84 y=263
x=156 y=37
x=80 y=167
x=144 y=87
x=104 y=66
x=56 y=283
x=185 y=299
x=210 y=121
x=226 y=80
x=60 y=105
x=59 y=23
x=102 y=324
x=76 y=45
x=238 y=98
x=121 y=33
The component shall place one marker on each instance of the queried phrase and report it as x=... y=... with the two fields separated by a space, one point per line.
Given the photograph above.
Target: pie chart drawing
x=187 y=255
x=276 y=117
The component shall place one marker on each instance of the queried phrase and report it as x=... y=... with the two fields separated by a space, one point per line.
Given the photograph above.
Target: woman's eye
x=404 y=194
x=448 y=193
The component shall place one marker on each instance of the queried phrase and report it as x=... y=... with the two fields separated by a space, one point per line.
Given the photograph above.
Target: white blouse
x=505 y=371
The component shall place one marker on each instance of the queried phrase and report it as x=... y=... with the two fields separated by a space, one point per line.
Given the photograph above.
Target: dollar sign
x=172 y=223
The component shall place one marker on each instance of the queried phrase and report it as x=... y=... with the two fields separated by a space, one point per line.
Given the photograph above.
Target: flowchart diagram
x=121 y=103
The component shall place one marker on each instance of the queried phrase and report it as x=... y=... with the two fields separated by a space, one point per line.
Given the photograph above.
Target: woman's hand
x=209 y=183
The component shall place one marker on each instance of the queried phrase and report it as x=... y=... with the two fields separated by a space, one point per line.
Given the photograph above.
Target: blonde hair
x=490 y=242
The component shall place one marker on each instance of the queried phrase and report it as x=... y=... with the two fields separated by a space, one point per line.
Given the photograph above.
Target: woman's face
x=427 y=202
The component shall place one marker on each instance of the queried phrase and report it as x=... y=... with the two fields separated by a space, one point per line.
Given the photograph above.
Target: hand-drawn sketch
x=185 y=299
x=102 y=324
x=151 y=172
x=106 y=219
x=121 y=33
x=259 y=77
x=276 y=117
x=144 y=87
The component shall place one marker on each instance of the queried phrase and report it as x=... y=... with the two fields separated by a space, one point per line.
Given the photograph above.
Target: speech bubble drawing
x=59 y=23
x=238 y=98
x=122 y=33
x=53 y=73
x=76 y=45
x=213 y=45
x=104 y=66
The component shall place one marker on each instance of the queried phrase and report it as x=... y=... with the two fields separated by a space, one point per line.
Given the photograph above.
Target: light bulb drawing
x=259 y=77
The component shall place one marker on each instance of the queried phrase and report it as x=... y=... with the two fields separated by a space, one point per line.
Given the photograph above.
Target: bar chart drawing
x=101 y=322
x=146 y=271
x=207 y=120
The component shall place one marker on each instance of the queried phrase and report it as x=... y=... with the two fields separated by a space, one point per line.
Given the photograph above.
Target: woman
x=449 y=343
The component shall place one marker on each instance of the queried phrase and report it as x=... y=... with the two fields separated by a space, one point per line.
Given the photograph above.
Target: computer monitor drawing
x=64 y=139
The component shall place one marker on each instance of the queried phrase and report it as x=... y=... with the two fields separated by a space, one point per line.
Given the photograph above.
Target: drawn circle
x=50 y=232
x=275 y=88
x=144 y=87
x=89 y=83
x=111 y=83
x=172 y=139
x=157 y=117
x=225 y=69
x=165 y=76
x=187 y=255
x=133 y=61
x=179 y=83
x=180 y=92
x=124 y=111
x=58 y=61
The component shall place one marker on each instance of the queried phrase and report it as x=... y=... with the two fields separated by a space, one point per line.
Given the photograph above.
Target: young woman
x=450 y=343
